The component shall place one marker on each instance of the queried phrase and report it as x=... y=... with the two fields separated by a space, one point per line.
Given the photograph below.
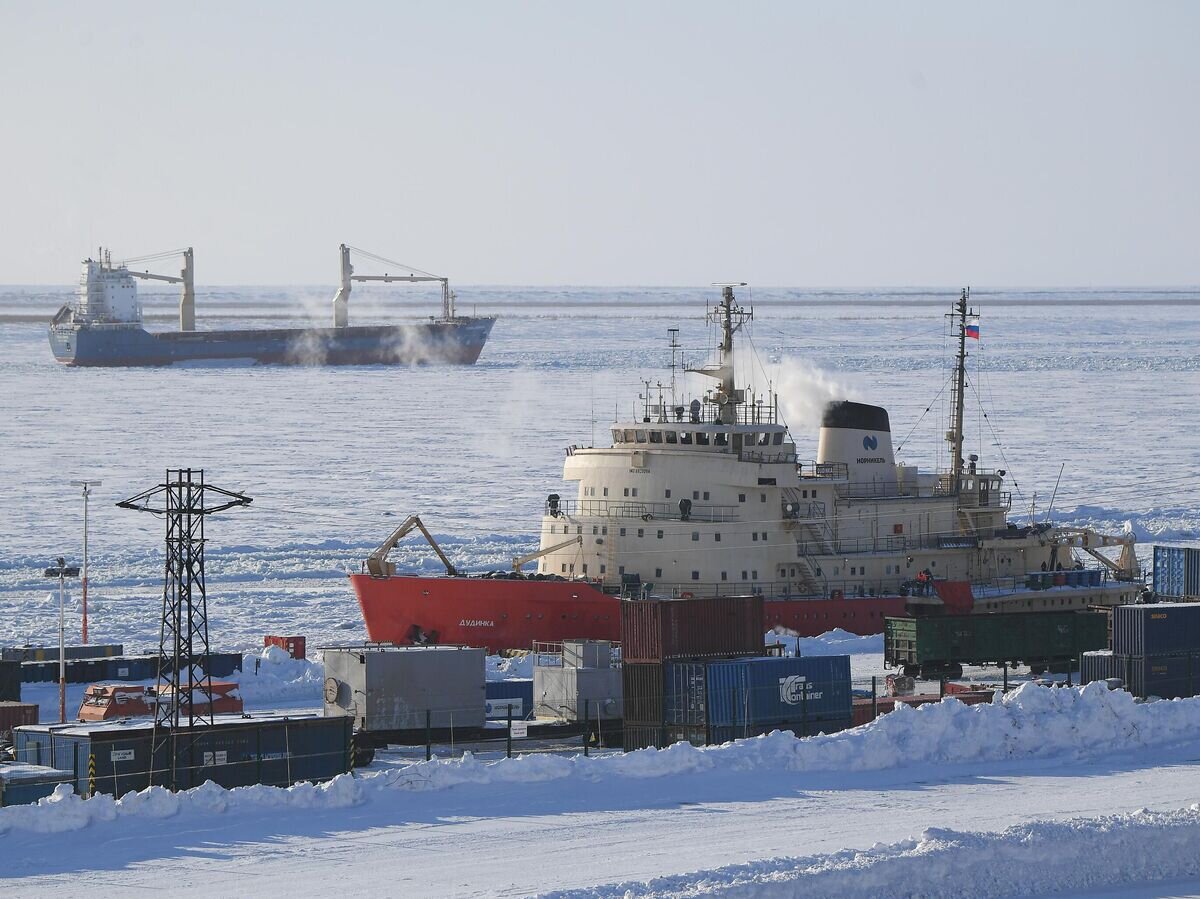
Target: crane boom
x=341 y=300
x=187 y=297
x=377 y=562
x=518 y=561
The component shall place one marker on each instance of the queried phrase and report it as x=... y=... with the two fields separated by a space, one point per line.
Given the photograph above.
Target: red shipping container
x=15 y=714
x=294 y=646
x=655 y=630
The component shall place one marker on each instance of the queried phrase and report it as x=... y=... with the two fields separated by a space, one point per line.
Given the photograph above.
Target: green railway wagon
x=941 y=645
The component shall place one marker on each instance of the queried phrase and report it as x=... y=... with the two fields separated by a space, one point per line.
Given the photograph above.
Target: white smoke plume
x=804 y=389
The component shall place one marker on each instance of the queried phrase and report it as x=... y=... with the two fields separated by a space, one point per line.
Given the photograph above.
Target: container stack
x=655 y=632
x=1156 y=651
x=695 y=670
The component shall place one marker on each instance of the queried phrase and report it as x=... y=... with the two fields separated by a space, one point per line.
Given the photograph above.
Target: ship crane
x=377 y=562
x=341 y=300
x=1126 y=567
x=187 y=297
x=518 y=561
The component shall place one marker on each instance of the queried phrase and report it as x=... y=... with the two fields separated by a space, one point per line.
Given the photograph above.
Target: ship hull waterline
x=511 y=614
x=456 y=342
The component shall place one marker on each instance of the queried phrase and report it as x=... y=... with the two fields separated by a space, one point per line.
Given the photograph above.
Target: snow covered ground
x=1048 y=789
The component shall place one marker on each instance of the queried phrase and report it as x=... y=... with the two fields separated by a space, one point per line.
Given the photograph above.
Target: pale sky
x=792 y=143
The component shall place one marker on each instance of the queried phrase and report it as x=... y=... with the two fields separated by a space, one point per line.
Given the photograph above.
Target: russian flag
x=972 y=328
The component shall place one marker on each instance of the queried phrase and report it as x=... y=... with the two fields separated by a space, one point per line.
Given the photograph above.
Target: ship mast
x=731 y=317
x=954 y=436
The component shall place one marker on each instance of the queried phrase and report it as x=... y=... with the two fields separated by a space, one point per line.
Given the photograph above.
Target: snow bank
x=1031 y=722
x=1029 y=859
x=272 y=678
x=836 y=642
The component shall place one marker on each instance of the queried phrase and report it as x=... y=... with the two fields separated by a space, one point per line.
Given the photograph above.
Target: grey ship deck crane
x=341 y=300
x=187 y=298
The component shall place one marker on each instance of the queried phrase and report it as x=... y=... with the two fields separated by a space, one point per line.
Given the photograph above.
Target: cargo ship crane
x=377 y=562
x=341 y=300
x=187 y=297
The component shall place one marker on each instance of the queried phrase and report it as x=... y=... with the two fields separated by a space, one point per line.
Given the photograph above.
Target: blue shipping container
x=748 y=692
x=1156 y=629
x=499 y=694
x=1168 y=570
x=1164 y=676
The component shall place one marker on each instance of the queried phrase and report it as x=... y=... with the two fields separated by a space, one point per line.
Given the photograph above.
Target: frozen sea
x=1100 y=383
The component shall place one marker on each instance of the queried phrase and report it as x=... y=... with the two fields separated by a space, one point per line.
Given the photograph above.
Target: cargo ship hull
x=458 y=341
x=511 y=614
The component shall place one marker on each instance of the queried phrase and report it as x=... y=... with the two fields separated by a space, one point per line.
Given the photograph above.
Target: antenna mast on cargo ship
x=730 y=317
x=954 y=436
x=183 y=668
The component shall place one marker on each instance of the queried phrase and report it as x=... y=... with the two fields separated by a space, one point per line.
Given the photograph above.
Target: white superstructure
x=711 y=497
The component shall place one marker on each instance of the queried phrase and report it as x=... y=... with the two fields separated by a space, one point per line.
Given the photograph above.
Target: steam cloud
x=803 y=391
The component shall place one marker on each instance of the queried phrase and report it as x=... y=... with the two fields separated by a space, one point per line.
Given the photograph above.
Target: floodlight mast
x=86 y=485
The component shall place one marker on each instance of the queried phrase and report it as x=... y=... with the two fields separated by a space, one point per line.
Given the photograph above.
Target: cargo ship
x=708 y=497
x=104 y=327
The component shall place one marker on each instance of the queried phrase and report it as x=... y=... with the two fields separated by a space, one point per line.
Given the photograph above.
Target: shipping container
x=718 y=734
x=500 y=694
x=10 y=681
x=233 y=752
x=642 y=693
x=577 y=694
x=22 y=784
x=750 y=692
x=939 y=643
x=391 y=688
x=90 y=671
x=1156 y=629
x=1163 y=676
x=644 y=736
x=1099 y=665
x=656 y=630
x=293 y=646
x=50 y=653
x=1176 y=572
x=15 y=714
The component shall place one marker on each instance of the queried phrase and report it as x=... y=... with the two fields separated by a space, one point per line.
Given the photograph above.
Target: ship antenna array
x=676 y=360
x=954 y=437
x=185 y=500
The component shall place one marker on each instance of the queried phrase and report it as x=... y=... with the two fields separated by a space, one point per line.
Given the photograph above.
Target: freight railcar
x=937 y=646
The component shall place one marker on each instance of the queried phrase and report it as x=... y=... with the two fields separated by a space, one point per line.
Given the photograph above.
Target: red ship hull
x=512 y=614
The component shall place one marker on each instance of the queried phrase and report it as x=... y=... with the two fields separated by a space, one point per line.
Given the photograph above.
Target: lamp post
x=62 y=571
x=86 y=485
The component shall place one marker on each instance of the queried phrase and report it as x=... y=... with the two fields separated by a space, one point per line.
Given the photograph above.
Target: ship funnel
x=860 y=437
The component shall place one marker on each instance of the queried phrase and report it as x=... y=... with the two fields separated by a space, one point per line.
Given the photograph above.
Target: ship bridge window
x=685 y=436
x=671 y=436
x=617 y=435
x=641 y=436
x=764 y=439
x=777 y=439
x=701 y=438
x=721 y=439
x=628 y=436
x=749 y=440
x=656 y=436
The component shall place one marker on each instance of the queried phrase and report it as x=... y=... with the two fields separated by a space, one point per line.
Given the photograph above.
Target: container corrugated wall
x=642 y=693
x=1098 y=665
x=16 y=714
x=1156 y=629
x=655 y=630
x=1164 y=676
x=644 y=736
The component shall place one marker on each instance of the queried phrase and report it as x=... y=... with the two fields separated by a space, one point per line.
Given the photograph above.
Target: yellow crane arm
x=377 y=562
x=518 y=561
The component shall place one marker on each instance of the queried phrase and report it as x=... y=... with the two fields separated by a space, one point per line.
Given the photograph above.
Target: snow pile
x=1030 y=722
x=272 y=678
x=836 y=642
x=517 y=667
x=1029 y=859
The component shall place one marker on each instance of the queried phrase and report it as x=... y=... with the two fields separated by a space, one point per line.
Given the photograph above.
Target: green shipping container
x=1031 y=638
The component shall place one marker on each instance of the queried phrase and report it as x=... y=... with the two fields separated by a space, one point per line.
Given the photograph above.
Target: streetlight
x=86 y=485
x=62 y=571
